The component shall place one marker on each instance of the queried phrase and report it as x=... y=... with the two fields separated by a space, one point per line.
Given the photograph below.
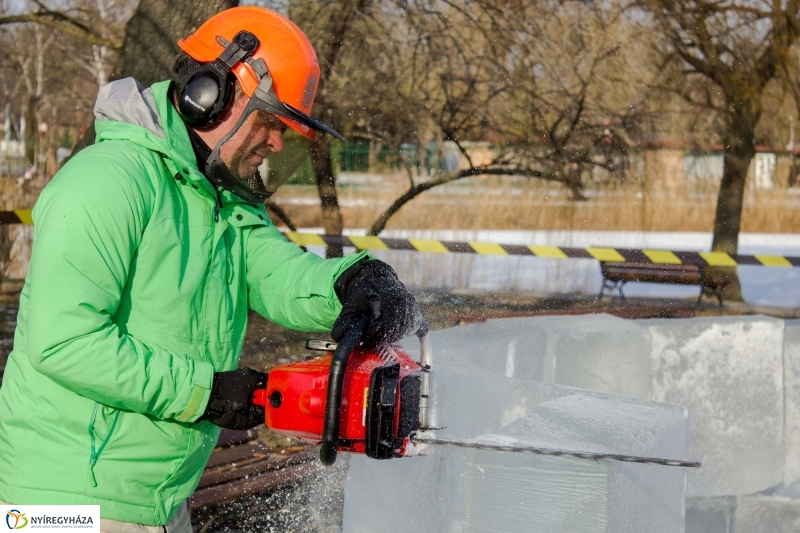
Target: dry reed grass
x=541 y=208
x=18 y=193
x=503 y=203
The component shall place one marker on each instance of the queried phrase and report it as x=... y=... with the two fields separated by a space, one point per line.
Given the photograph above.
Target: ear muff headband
x=206 y=92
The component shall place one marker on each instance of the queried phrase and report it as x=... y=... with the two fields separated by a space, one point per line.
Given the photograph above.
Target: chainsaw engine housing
x=380 y=404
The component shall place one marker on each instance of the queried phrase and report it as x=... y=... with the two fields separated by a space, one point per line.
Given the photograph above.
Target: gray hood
x=127 y=101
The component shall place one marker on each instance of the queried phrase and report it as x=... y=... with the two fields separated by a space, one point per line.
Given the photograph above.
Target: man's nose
x=275 y=140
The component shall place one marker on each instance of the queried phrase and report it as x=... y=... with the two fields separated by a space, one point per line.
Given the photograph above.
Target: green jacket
x=137 y=293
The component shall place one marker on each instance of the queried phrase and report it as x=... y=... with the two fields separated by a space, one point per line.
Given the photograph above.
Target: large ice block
x=791 y=357
x=636 y=497
x=766 y=514
x=729 y=372
x=458 y=490
x=596 y=352
x=510 y=492
x=710 y=514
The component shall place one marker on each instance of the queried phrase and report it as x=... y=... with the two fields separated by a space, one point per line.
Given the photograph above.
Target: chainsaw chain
x=550 y=451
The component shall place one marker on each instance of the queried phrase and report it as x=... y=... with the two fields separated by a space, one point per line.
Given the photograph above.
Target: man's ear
x=238 y=94
x=239 y=102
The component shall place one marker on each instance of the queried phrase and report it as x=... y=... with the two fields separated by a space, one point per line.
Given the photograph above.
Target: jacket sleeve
x=88 y=225
x=291 y=287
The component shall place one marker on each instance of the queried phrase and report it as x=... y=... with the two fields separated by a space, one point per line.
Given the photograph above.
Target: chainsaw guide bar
x=419 y=439
x=379 y=402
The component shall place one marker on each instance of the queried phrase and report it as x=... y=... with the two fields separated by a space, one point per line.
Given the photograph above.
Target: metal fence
x=12 y=166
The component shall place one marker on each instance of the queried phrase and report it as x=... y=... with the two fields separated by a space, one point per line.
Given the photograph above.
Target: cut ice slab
x=766 y=514
x=791 y=354
x=596 y=352
x=729 y=372
x=459 y=490
x=550 y=431
x=601 y=424
x=756 y=513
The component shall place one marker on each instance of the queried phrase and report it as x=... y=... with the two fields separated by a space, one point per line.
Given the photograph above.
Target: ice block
x=596 y=352
x=791 y=357
x=766 y=514
x=710 y=514
x=458 y=490
x=729 y=372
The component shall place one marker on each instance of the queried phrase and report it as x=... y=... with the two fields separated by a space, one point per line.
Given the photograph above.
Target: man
x=149 y=248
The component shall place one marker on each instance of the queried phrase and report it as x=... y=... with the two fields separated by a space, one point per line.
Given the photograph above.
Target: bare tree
x=727 y=52
x=329 y=26
x=531 y=77
x=67 y=20
x=150 y=41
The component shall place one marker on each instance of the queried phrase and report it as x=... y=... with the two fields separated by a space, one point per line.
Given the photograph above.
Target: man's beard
x=239 y=167
x=243 y=182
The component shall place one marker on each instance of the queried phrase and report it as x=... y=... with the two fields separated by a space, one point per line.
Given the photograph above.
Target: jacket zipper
x=228 y=258
x=218 y=205
x=95 y=453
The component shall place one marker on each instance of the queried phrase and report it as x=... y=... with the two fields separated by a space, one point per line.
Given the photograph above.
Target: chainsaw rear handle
x=333 y=401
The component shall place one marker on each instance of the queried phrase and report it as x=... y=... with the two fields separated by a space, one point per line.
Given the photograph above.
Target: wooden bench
x=616 y=275
x=241 y=465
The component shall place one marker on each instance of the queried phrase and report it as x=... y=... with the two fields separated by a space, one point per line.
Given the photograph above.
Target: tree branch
x=63 y=23
x=380 y=223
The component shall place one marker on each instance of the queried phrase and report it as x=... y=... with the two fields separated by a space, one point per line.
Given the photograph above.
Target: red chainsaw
x=352 y=400
x=375 y=402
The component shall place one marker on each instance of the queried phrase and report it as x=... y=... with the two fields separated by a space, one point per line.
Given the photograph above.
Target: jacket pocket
x=182 y=481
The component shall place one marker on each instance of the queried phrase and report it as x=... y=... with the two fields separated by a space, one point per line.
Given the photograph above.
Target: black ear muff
x=204 y=95
x=205 y=92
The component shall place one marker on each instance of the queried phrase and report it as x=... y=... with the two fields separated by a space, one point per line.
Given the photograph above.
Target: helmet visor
x=249 y=172
x=279 y=167
x=264 y=98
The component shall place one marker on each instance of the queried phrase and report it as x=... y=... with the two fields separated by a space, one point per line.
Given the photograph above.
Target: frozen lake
x=778 y=287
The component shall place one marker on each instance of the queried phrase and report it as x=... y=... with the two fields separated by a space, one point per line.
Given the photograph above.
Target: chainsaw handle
x=260 y=397
x=333 y=401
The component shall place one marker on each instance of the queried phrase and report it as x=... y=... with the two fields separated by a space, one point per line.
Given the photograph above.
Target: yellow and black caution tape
x=18 y=216
x=621 y=255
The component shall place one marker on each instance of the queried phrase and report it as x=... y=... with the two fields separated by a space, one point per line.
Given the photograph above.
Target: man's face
x=260 y=135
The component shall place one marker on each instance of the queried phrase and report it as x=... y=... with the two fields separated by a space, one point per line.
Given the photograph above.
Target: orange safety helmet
x=283 y=46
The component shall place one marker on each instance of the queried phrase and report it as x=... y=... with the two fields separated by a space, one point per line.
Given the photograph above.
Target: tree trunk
x=728 y=219
x=575 y=184
x=151 y=41
x=31 y=131
x=152 y=34
x=329 y=48
x=326 y=188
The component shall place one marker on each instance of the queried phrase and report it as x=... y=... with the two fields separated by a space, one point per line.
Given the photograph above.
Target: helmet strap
x=253 y=190
x=218 y=173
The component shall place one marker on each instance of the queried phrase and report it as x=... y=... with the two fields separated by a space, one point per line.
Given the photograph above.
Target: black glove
x=371 y=288
x=231 y=403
